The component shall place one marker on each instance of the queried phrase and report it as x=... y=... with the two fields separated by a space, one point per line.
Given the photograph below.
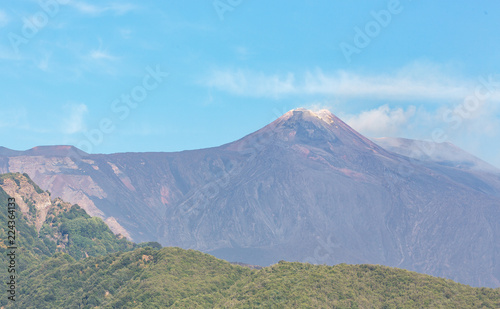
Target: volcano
x=306 y=187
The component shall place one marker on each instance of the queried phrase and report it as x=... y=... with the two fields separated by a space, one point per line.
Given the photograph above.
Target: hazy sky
x=116 y=76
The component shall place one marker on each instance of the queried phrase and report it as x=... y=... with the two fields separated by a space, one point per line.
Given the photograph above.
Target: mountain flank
x=306 y=187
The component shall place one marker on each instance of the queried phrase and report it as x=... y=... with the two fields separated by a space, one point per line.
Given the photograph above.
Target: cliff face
x=32 y=200
x=50 y=225
x=36 y=205
x=307 y=187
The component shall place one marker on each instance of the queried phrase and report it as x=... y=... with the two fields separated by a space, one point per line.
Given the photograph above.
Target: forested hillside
x=177 y=278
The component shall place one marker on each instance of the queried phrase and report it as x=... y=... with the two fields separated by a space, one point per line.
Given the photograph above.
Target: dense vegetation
x=83 y=235
x=299 y=285
x=75 y=261
x=177 y=278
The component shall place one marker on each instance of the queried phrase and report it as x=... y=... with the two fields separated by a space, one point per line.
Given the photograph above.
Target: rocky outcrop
x=33 y=201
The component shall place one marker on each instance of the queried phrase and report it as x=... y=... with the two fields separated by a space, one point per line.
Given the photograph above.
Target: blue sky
x=117 y=76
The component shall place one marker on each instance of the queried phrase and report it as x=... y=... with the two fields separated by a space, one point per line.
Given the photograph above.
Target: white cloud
x=483 y=121
x=126 y=33
x=93 y=9
x=242 y=52
x=476 y=132
x=74 y=118
x=43 y=64
x=4 y=19
x=382 y=121
x=101 y=55
x=252 y=84
x=416 y=81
